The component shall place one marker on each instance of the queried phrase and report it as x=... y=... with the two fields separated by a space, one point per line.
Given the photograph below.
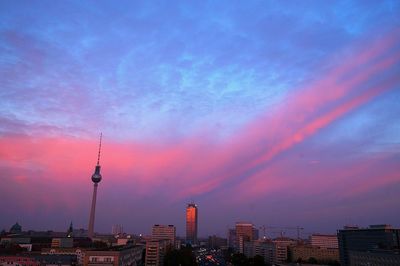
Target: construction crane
x=297 y=228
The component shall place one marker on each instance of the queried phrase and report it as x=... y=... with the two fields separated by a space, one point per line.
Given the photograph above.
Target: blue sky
x=250 y=83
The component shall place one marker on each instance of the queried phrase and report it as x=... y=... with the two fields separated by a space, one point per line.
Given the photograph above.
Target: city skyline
x=276 y=113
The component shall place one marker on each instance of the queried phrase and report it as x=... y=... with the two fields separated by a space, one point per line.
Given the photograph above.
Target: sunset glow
x=248 y=109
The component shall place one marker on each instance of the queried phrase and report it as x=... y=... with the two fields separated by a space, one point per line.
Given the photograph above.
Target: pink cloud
x=198 y=165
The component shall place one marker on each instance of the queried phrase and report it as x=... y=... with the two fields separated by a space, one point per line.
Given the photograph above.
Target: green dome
x=16 y=228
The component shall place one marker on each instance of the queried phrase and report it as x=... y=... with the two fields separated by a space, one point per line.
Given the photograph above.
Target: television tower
x=96 y=178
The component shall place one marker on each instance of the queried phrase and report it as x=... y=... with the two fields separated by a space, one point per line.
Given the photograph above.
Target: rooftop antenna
x=98 y=156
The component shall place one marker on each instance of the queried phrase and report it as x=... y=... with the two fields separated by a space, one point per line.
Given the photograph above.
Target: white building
x=117 y=229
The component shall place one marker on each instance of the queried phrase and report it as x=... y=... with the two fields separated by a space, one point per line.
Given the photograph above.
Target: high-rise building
x=162 y=232
x=96 y=178
x=117 y=229
x=191 y=223
x=361 y=244
x=324 y=241
x=245 y=232
x=231 y=238
x=155 y=252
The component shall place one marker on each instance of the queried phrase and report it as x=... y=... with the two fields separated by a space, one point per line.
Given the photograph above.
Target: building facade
x=117 y=229
x=191 y=223
x=374 y=258
x=78 y=252
x=382 y=238
x=245 y=232
x=155 y=252
x=164 y=232
x=305 y=252
x=324 y=241
x=117 y=256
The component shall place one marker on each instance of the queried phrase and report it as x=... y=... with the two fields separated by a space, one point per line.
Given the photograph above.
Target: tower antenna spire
x=98 y=156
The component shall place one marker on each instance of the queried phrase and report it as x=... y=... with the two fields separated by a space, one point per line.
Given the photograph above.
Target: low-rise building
x=305 y=252
x=273 y=251
x=18 y=260
x=115 y=256
x=78 y=252
x=374 y=258
x=324 y=241
x=64 y=242
x=33 y=259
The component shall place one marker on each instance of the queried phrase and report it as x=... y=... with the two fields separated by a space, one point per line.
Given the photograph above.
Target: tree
x=256 y=261
x=312 y=260
x=183 y=257
x=239 y=259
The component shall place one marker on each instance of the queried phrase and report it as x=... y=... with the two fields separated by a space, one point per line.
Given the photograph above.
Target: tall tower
x=96 y=178
x=191 y=224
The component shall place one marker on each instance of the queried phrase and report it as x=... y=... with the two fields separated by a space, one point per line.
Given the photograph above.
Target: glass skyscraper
x=191 y=224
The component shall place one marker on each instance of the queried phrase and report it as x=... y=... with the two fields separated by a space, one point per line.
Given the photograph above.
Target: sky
x=280 y=113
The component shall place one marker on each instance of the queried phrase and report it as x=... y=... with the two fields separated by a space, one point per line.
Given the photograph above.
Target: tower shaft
x=92 y=212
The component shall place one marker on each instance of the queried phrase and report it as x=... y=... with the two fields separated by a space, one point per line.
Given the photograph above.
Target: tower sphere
x=96 y=177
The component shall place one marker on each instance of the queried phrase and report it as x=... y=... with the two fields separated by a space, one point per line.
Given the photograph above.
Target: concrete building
x=116 y=256
x=164 y=232
x=232 y=238
x=281 y=249
x=117 y=229
x=245 y=232
x=376 y=238
x=305 y=252
x=18 y=260
x=155 y=252
x=374 y=258
x=273 y=251
x=65 y=242
x=78 y=252
x=38 y=259
x=191 y=223
x=216 y=242
x=324 y=241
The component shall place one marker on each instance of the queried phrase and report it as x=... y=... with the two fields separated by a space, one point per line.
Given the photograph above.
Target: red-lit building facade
x=191 y=223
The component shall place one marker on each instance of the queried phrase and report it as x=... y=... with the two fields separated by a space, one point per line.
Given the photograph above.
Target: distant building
x=216 y=242
x=305 y=252
x=324 y=241
x=164 y=232
x=70 y=231
x=78 y=252
x=18 y=260
x=232 y=238
x=191 y=223
x=116 y=256
x=117 y=229
x=16 y=229
x=65 y=242
x=374 y=258
x=124 y=239
x=59 y=260
x=281 y=252
x=357 y=243
x=38 y=259
x=245 y=232
x=155 y=252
